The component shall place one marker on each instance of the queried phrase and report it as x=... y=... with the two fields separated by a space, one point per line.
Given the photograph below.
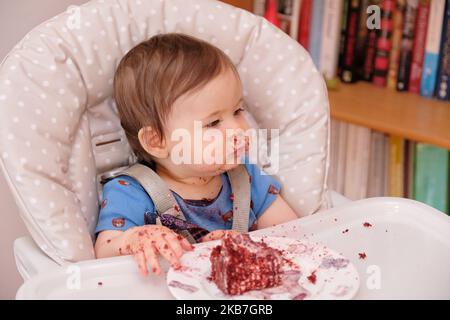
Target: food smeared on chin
x=240 y=264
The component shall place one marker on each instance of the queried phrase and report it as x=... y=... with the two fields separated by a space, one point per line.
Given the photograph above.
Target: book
x=432 y=49
x=431 y=176
x=259 y=7
x=318 y=7
x=396 y=166
x=341 y=155
x=377 y=165
x=348 y=74
x=361 y=40
x=330 y=38
x=271 y=13
x=371 y=47
x=384 y=44
x=443 y=80
x=397 y=26
x=408 y=30
x=304 y=23
x=334 y=159
x=343 y=36
x=357 y=162
x=409 y=169
x=419 y=46
x=288 y=15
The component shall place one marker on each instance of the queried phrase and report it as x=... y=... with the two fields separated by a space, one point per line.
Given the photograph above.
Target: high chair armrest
x=337 y=199
x=30 y=259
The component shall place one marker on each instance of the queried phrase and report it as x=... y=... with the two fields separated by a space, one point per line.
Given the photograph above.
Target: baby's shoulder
x=126 y=187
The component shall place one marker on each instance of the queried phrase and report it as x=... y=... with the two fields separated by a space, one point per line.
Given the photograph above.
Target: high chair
x=60 y=129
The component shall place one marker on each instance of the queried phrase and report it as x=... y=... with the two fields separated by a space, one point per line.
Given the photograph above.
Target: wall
x=16 y=19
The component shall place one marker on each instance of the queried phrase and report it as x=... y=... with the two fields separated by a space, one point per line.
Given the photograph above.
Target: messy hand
x=145 y=242
x=218 y=234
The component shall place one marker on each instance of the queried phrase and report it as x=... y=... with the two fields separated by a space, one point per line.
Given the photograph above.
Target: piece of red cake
x=240 y=264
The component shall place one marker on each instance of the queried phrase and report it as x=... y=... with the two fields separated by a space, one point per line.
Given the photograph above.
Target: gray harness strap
x=240 y=186
x=161 y=196
x=165 y=202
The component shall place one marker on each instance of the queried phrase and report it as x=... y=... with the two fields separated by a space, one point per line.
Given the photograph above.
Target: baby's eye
x=213 y=124
x=238 y=111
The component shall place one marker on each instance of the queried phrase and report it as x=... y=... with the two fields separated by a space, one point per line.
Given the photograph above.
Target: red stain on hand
x=362 y=255
x=312 y=277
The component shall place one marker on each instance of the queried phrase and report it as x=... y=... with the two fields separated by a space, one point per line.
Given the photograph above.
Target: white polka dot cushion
x=56 y=111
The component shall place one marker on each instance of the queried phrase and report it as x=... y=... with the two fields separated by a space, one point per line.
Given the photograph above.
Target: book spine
x=348 y=66
x=431 y=176
x=361 y=39
x=330 y=38
x=305 y=23
x=384 y=44
x=343 y=36
x=295 y=18
x=397 y=26
x=407 y=42
x=419 y=46
x=431 y=59
x=259 y=7
x=316 y=31
x=396 y=166
x=443 y=82
x=371 y=47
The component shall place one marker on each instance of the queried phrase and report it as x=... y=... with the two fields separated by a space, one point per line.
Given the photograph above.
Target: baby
x=172 y=82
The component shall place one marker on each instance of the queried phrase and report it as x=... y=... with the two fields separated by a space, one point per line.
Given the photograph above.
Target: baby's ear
x=152 y=144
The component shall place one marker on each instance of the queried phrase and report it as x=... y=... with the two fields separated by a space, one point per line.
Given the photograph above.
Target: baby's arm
x=277 y=213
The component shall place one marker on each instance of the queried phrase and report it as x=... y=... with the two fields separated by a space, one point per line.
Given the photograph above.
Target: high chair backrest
x=59 y=127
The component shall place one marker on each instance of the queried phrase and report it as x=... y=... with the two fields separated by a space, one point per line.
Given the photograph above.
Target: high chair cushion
x=59 y=127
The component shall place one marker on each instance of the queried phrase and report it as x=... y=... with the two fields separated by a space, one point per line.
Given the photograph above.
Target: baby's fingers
x=166 y=251
x=142 y=264
x=185 y=243
x=152 y=259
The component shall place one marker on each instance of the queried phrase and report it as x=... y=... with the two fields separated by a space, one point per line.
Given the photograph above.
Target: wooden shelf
x=402 y=114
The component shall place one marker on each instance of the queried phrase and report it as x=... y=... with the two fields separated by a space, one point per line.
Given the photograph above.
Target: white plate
x=318 y=273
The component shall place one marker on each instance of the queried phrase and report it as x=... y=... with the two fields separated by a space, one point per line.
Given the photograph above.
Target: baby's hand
x=218 y=234
x=145 y=242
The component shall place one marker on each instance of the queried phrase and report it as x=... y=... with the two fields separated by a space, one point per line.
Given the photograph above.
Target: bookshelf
x=402 y=114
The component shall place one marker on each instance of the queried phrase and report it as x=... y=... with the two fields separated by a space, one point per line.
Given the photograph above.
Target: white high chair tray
x=400 y=247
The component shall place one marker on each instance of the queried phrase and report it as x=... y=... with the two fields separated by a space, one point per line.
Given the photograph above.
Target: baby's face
x=204 y=130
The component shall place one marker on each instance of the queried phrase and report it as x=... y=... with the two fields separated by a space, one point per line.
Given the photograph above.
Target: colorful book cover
x=407 y=43
x=318 y=7
x=361 y=39
x=348 y=66
x=330 y=38
x=443 y=80
x=305 y=23
x=371 y=49
x=409 y=168
x=343 y=36
x=419 y=46
x=433 y=45
x=384 y=44
x=396 y=166
x=431 y=176
x=397 y=26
